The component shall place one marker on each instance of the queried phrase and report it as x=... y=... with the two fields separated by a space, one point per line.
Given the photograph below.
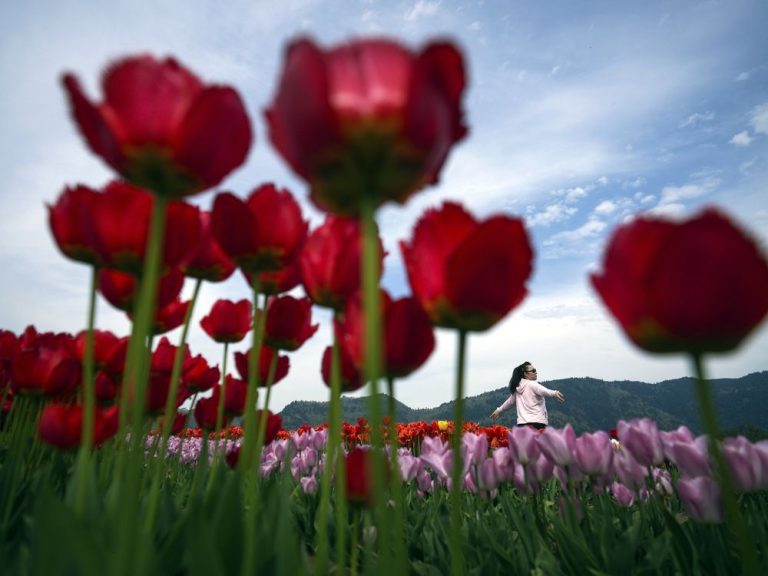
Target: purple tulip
x=558 y=445
x=743 y=463
x=641 y=437
x=629 y=470
x=623 y=495
x=594 y=453
x=701 y=498
x=522 y=444
x=691 y=457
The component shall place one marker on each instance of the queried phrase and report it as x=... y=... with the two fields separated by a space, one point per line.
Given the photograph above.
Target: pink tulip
x=523 y=445
x=641 y=437
x=623 y=495
x=743 y=463
x=691 y=457
x=629 y=470
x=701 y=498
x=594 y=453
x=558 y=445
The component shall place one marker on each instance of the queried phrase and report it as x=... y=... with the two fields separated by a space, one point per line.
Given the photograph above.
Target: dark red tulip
x=61 y=425
x=277 y=281
x=104 y=345
x=695 y=286
x=228 y=321
x=206 y=410
x=9 y=347
x=157 y=393
x=164 y=356
x=351 y=378
x=120 y=288
x=48 y=366
x=234 y=396
x=106 y=387
x=330 y=262
x=467 y=274
x=169 y=317
x=198 y=376
x=408 y=337
x=160 y=127
x=367 y=117
x=179 y=422
x=73 y=223
x=122 y=223
x=357 y=464
x=262 y=234
x=265 y=360
x=207 y=260
x=289 y=323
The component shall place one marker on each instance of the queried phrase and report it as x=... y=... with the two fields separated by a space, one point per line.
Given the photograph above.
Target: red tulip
x=165 y=354
x=357 y=464
x=208 y=261
x=277 y=281
x=120 y=288
x=351 y=378
x=695 y=286
x=228 y=321
x=265 y=360
x=408 y=336
x=289 y=323
x=206 y=410
x=235 y=394
x=73 y=224
x=198 y=376
x=47 y=365
x=330 y=262
x=61 y=425
x=160 y=127
x=169 y=317
x=122 y=224
x=9 y=347
x=367 y=117
x=157 y=393
x=104 y=345
x=105 y=387
x=262 y=234
x=467 y=274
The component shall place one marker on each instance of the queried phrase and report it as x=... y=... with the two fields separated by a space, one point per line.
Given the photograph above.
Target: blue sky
x=580 y=114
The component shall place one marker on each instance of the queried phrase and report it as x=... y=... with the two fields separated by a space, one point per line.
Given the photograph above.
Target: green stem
x=739 y=534
x=134 y=388
x=247 y=467
x=457 y=557
x=265 y=412
x=396 y=486
x=82 y=474
x=373 y=370
x=219 y=420
x=321 y=538
x=158 y=462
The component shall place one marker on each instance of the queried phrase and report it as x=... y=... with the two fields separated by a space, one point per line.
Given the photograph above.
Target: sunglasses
x=531 y=370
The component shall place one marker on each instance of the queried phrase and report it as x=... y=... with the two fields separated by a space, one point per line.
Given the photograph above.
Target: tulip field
x=132 y=454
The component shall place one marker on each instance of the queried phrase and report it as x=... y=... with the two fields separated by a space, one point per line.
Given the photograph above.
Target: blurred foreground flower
x=368 y=117
x=160 y=127
x=467 y=274
x=695 y=286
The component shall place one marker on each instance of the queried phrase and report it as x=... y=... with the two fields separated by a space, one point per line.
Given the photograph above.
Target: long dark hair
x=517 y=376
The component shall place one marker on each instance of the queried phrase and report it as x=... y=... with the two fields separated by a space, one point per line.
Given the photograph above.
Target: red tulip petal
x=486 y=275
x=100 y=132
x=150 y=98
x=215 y=136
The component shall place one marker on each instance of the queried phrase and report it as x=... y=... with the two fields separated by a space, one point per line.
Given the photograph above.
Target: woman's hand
x=559 y=396
x=495 y=415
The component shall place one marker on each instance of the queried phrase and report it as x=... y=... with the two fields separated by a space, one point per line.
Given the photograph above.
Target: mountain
x=591 y=404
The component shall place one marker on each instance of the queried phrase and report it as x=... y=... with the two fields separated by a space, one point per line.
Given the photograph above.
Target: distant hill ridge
x=591 y=404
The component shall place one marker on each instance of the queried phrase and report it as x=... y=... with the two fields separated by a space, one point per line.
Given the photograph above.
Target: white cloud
x=605 y=208
x=421 y=9
x=677 y=194
x=697 y=118
x=638 y=182
x=551 y=214
x=759 y=120
x=741 y=139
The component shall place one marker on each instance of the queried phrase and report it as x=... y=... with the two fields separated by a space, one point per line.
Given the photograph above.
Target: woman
x=528 y=395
